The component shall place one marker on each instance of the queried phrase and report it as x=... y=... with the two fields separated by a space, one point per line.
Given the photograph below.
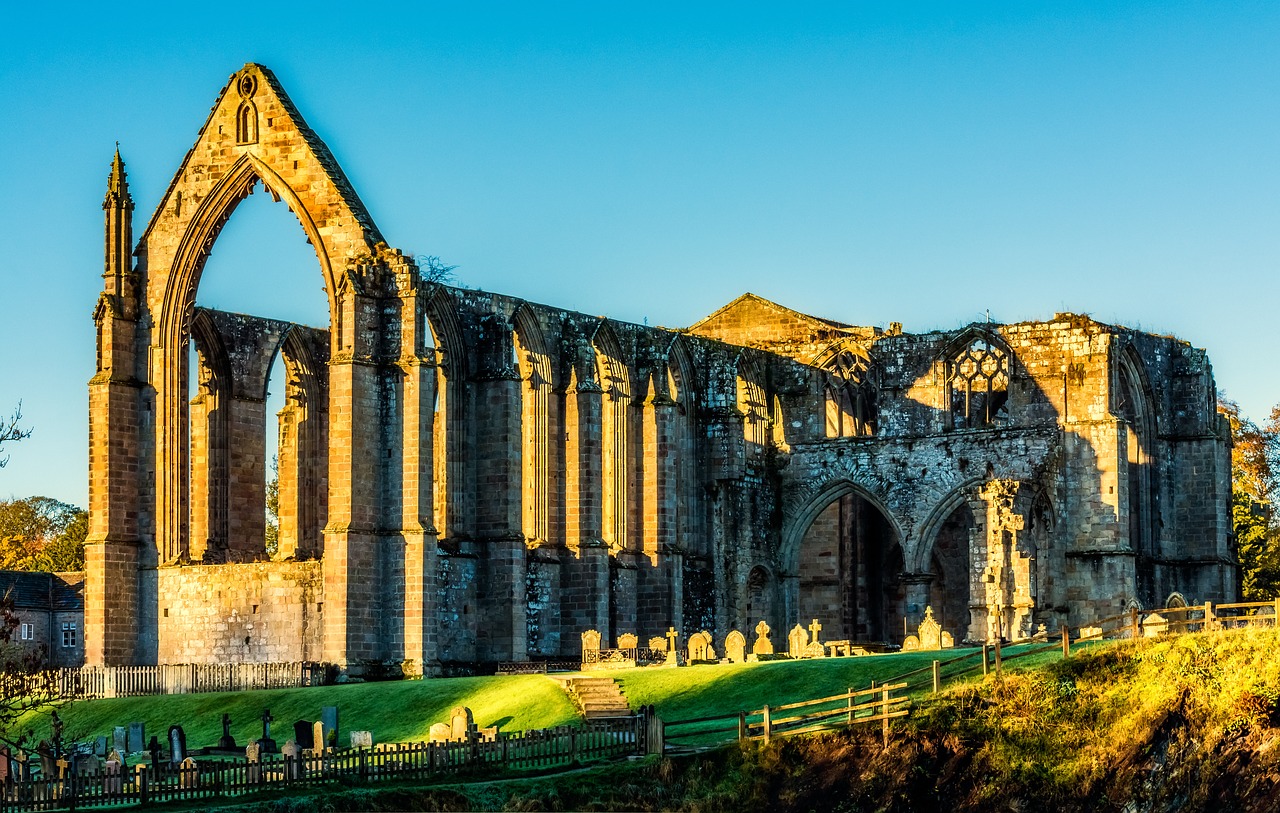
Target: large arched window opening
x=1133 y=407
x=235 y=418
x=850 y=393
x=752 y=405
x=534 y=368
x=950 y=591
x=978 y=384
x=615 y=463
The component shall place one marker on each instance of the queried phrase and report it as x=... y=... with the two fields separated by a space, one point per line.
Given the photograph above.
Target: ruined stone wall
x=240 y=613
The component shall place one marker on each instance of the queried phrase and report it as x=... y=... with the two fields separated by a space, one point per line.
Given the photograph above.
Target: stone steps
x=596 y=697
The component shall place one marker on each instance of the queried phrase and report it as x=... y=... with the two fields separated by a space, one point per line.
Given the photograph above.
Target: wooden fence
x=91 y=682
x=537 y=667
x=1131 y=625
x=854 y=707
x=140 y=785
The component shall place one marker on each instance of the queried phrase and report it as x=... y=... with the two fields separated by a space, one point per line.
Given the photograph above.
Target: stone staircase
x=596 y=696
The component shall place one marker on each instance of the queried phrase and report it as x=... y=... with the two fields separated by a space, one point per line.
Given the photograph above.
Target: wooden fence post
x=985 y=666
x=937 y=677
x=144 y=794
x=768 y=726
x=997 y=656
x=1134 y=621
x=742 y=726
x=850 y=704
x=884 y=714
x=1210 y=621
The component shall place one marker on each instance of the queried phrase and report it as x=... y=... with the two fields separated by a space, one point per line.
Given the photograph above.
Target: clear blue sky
x=911 y=162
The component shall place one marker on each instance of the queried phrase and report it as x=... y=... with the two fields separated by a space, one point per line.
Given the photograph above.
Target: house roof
x=56 y=592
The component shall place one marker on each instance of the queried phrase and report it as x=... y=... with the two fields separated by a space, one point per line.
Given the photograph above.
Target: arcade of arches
x=468 y=477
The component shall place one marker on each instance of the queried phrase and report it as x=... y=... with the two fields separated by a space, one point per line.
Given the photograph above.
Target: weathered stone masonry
x=468 y=477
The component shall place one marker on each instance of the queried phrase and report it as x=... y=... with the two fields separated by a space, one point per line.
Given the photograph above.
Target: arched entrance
x=950 y=593
x=847 y=567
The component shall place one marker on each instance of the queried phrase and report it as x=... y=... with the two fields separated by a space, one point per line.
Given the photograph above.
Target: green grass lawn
x=399 y=711
x=403 y=711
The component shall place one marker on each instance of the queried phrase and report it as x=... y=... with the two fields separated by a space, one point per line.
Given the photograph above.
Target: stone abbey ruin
x=467 y=477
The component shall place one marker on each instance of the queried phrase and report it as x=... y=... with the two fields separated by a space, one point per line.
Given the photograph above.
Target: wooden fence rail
x=824 y=712
x=92 y=682
x=140 y=785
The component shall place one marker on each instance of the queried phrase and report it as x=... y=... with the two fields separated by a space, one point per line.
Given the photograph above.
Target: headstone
x=88 y=765
x=120 y=739
x=814 y=629
x=700 y=648
x=177 y=745
x=762 y=646
x=253 y=755
x=137 y=737
x=268 y=745
x=440 y=732
x=361 y=739
x=461 y=723
x=735 y=645
x=658 y=644
x=673 y=656
x=590 y=643
x=19 y=768
x=317 y=737
x=628 y=640
x=188 y=773
x=910 y=644
x=489 y=734
x=303 y=735
x=116 y=756
x=797 y=640
x=815 y=650
x=930 y=631
x=113 y=780
x=154 y=748
x=329 y=716
x=63 y=768
x=292 y=753
x=1154 y=625
x=100 y=746
x=227 y=741
x=48 y=764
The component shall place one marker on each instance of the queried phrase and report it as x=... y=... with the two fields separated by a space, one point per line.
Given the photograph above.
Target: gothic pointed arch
x=1133 y=403
x=851 y=389
x=534 y=367
x=614 y=378
x=751 y=401
x=978 y=368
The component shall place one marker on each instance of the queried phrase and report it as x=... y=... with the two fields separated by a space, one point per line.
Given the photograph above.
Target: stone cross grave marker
x=137 y=737
x=735 y=645
x=797 y=640
x=672 y=654
x=303 y=735
x=268 y=744
x=329 y=716
x=177 y=745
x=227 y=741
x=814 y=629
x=762 y=646
x=361 y=739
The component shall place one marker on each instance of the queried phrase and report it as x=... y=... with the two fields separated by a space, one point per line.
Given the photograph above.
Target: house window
x=28 y=632
x=69 y=634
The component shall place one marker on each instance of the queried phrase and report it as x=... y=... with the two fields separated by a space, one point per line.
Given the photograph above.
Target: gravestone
x=797 y=640
x=329 y=716
x=120 y=739
x=1154 y=625
x=461 y=723
x=177 y=745
x=188 y=774
x=929 y=635
x=100 y=746
x=227 y=742
x=673 y=656
x=292 y=753
x=117 y=757
x=113 y=779
x=627 y=640
x=154 y=748
x=253 y=755
x=440 y=732
x=268 y=745
x=62 y=768
x=658 y=644
x=590 y=644
x=88 y=765
x=318 y=743
x=48 y=764
x=361 y=739
x=815 y=650
x=762 y=646
x=700 y=648
x=137 y=737
x=18 y=767
x=303 y=735
x=735 y=645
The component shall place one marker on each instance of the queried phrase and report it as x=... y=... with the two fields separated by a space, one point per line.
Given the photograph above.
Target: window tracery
x=850 y=395
x=978 y=383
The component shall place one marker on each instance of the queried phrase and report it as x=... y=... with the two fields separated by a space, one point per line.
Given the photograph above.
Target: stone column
x=1007 y=569
x=586 y=593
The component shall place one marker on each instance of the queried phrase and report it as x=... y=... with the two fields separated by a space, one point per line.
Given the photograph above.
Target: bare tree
x=26 y=683
x=433 y=269
x=11 y=431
